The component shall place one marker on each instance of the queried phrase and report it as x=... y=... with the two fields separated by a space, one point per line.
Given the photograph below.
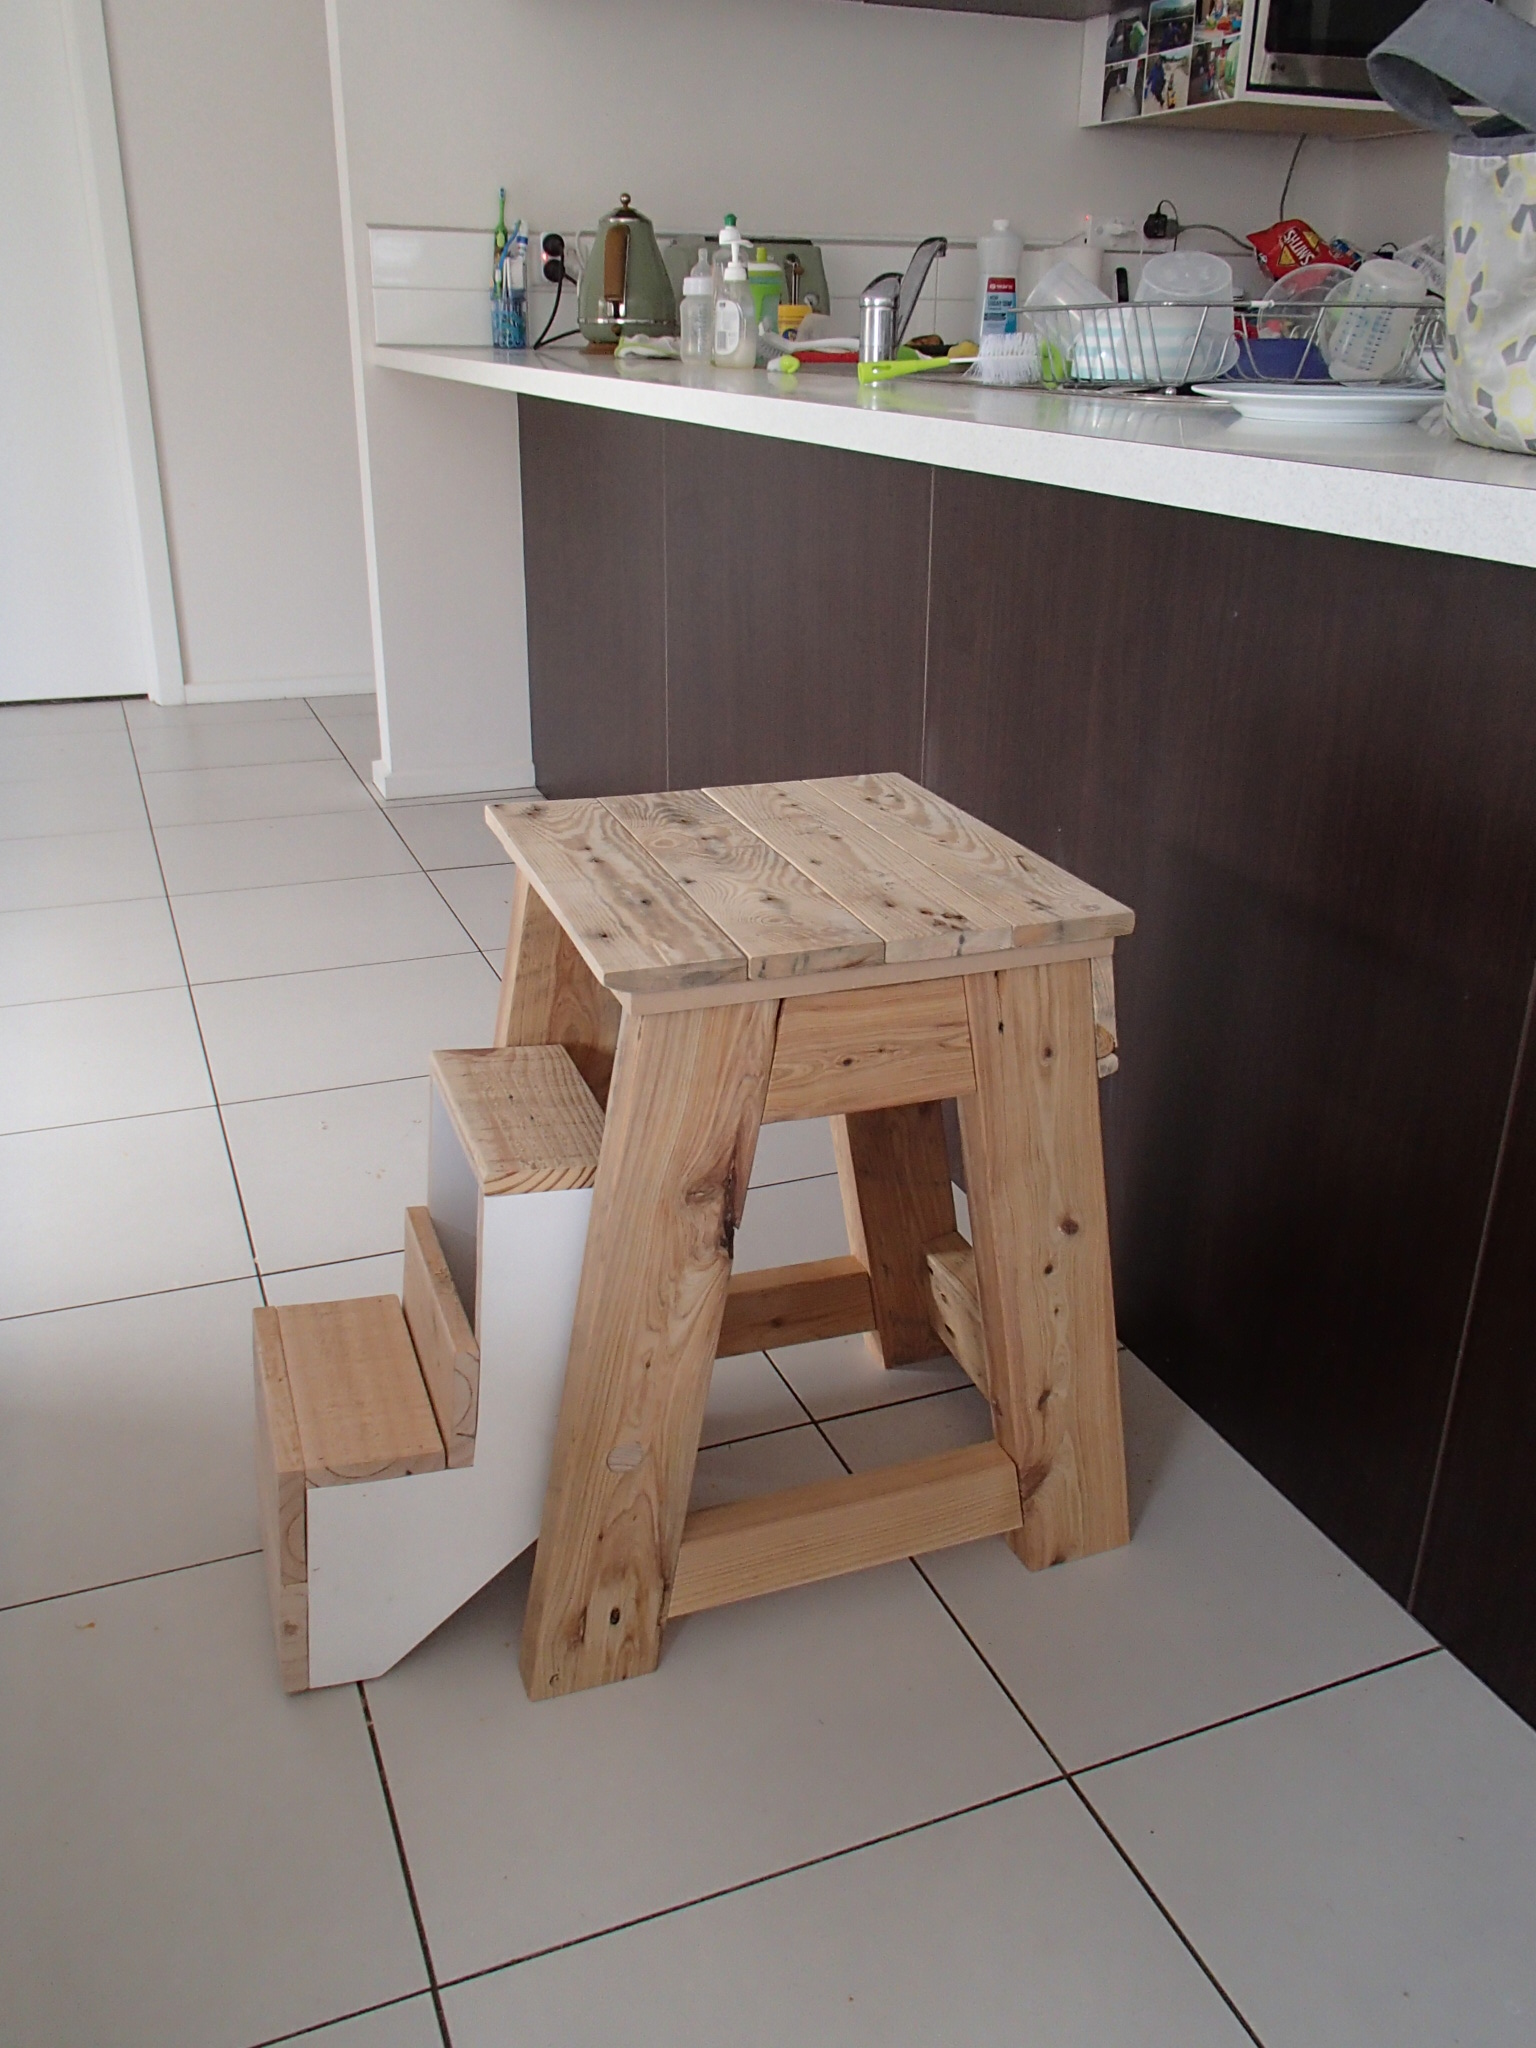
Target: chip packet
x=1289 y=244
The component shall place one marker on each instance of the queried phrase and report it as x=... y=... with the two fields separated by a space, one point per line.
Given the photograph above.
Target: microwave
x=1320 y=46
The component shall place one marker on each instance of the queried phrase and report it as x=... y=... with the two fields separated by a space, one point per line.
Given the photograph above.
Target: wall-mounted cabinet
x=1212 y=64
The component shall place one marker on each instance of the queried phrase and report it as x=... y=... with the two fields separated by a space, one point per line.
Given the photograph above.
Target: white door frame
x=117 y=301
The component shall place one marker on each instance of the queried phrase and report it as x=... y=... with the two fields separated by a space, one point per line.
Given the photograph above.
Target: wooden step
x=339 y=1399
x=795 y=1305
x=446 y=1347
x=527 y=1121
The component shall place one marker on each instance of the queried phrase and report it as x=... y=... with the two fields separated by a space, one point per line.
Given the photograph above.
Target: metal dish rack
x=1162 y=347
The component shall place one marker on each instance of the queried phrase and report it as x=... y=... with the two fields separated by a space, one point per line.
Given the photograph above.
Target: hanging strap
x=1466 y=45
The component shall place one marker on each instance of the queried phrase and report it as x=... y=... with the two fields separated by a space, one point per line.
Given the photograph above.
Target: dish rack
x=1163 y=347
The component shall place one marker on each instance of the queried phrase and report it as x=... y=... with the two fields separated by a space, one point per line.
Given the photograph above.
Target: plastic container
x=767 y=282
x=728 y=249
x=734 y=342
x=997 y=288
x=1184 y=333
x=1367 y=328
x=696 y=313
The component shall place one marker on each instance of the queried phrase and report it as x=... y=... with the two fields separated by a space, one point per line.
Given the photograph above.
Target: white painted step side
x=391 y=1559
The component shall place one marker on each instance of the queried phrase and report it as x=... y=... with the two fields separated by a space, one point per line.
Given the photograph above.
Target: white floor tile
x=356 y=704
x=747 y=1398
x=482 y=899
x=761 y=1464
x=774 y=1731
x=207 y=1863
x=342 y=1026
x=99 y=1211
x=912 y=1429
x=1018 y=1924
x=126 y=1444
x=1357 y=1867
x=62 y=722
x=30 y=756
x=449 y=835
x=358 y=738
x=1225 y=1599
x=797 y=1151
x=99 y=1057
x=841 y=1375
x=87 y=949
x=329 y=1176
x=99 y=800
x=232 y=746
x=234 y=934
x=412 y=2024
x=82 y=867
x=791 y=1222
x=146 y=717
x=262 y=853
x=345 y=1280
x=208 y=796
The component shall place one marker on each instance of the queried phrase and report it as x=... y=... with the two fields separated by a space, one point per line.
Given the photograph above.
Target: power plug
x=552 y=259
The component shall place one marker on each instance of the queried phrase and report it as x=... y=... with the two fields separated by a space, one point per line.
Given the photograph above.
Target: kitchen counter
x=1396 y=484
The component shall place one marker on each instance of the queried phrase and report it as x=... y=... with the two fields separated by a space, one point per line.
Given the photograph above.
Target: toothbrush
x=882 y=373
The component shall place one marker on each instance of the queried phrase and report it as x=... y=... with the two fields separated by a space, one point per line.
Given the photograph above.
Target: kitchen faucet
x=905 y=289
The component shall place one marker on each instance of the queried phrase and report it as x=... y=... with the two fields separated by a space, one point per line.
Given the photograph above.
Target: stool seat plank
x=634 y=926
x=781 y=920
x=916 y=915
x=528 y=1122
x=1042 y=902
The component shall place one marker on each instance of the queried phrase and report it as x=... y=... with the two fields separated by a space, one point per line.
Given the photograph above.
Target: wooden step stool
x=856 y=947
x=404 y=1447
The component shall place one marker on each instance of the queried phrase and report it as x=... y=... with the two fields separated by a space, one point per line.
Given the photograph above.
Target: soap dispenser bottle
x=696 y=318
x=735 y=341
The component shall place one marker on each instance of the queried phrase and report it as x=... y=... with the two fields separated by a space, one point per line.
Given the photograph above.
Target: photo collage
x=1165 y=54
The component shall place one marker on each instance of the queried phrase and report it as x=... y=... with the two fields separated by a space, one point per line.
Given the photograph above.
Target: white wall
x=910 y=121
x=224 y=117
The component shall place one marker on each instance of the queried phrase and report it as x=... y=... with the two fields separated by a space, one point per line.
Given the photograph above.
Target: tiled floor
x=1213 y=1789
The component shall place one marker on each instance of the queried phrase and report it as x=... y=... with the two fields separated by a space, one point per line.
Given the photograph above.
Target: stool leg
x=549 y=995
x=1034 y=1166
x=683 y=1114
x=893 y=1171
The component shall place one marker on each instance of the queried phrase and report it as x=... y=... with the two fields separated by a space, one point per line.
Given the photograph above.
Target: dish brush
x=1009 y=359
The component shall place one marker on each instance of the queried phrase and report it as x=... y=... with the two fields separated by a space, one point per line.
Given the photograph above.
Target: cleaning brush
x=1009 y=359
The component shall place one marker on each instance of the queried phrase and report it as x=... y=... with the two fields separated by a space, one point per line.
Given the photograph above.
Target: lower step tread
x=358 y=1396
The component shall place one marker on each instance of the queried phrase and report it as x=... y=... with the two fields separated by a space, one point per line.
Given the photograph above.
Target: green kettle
x=625 y=288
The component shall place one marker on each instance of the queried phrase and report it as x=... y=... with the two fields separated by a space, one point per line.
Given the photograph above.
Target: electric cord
x=553 y=311
x=1290 y=173
x=1210 y=227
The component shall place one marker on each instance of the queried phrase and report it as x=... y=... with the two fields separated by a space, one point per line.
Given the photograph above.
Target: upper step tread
x=525 y=1117
x=358 y=1395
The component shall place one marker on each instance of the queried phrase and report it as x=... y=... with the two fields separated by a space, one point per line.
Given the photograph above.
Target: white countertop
x=1394 y=484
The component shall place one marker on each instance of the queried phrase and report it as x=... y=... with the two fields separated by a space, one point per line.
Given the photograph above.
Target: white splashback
x=432 y=285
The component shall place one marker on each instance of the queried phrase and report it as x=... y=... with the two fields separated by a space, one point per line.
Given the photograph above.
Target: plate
x=1335 y=405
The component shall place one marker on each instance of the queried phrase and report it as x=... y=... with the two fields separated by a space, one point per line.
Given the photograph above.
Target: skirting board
x=262 y=689
x=473 y=780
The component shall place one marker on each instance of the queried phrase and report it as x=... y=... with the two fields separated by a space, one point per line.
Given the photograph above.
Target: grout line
x=213 y=1086
x=748 y=1884
x=168 y=1571
x=1290 y=1699
x=1210 y=1975
x=342 y=967
x=340 y=2019
x=64 y=1308
x=1474 y=1288
x=405 y=1867
x=1089 y=1808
